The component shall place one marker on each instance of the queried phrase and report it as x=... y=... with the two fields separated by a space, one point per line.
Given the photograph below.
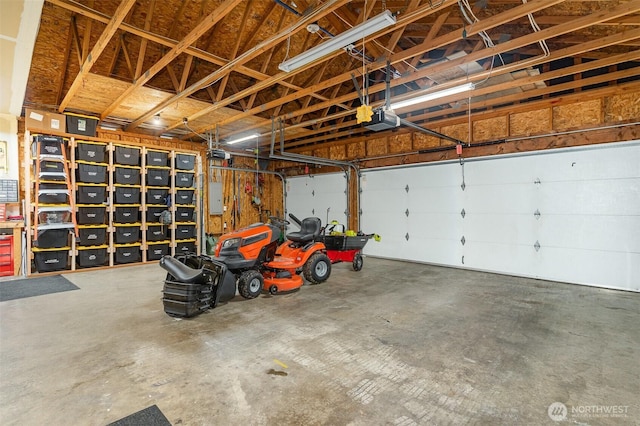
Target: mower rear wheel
x=317 y=269
x=250 y=284
x=358 y=261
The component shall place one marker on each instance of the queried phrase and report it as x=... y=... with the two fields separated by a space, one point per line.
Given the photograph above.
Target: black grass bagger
x=195 y=284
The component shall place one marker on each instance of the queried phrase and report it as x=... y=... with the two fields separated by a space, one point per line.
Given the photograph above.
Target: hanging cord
x=365 y=88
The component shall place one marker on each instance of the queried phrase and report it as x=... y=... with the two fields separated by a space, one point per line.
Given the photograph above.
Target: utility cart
x=345 y=246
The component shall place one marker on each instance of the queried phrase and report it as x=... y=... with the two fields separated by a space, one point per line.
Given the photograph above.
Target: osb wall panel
x=622 y=107
x=321 y=152
x=530 y=122
x=338 y=152
x=376 y=147
x=425 y=141
x=577 y=115
x=490 y=129
x=458 y=131
x=400 y=143
x=240 y=191
x=356 y=150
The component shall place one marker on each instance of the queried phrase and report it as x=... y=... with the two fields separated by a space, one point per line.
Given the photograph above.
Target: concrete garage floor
x=397 y=343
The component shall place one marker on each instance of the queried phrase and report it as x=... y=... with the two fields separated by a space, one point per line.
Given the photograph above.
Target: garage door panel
x=434 y=225
x=502 y=229
x=513 y=259
x=610 y=233
x=435 y=200
x=501 y=198
x=588 y=202
x=590 y=267
x=597 y=197
x=312 y=195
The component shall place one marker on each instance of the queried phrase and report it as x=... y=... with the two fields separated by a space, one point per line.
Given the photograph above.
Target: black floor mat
x=150 y=416
x=29 y=287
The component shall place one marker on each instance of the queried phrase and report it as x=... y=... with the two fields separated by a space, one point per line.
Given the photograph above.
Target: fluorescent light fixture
x=340 y=41
x=434 y=95
x=166 y=137
x=244 y=138
x=108 y=127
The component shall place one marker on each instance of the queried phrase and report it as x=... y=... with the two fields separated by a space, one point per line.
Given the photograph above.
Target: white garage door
x=566 y=215
x=322 y=196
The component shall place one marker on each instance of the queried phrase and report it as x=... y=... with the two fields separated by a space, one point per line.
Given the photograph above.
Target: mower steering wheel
x=278 y=221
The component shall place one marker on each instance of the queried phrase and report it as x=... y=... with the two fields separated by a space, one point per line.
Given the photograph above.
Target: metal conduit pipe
x=295 y=12
x=344 y=165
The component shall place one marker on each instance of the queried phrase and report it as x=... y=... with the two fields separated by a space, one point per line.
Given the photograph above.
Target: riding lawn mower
x=249 y=258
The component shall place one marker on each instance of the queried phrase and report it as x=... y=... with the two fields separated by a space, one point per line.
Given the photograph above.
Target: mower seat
x=180 y=271
x=309 y=230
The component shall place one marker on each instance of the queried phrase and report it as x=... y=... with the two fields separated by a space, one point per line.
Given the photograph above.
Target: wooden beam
x=406 y=20
x=64 y=65
x=168 y=42
x=215 y=16
x=76 y=39
x=127 y=57
x=143 y=43
x=92 y=57
x=185 y=73
x=173 y=77
x=319 y=12
x=504 y=47
x=86 y=39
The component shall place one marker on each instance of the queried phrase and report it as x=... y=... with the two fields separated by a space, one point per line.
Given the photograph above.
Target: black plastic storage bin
x=126 y=234
x=184 y=214
x=48 y=166
x=51 y=260
x=91 y=194
x=92 y=256
x=154 y=212
x=126 y=214
x=157 y=232
x=157 y=195
x=91 y=215
x=127 y=194
x=90 y=151
x=127 y=253
x=157 y=177
x=91 y=173
x=53 y=238
x=155 y=251
x=157 y=158
x=184 y=196
x=184 y=180
x=81 y=124
x=92 y=235
x=184 y=247
x=185 y=161
x=127 y=155
x=53 y=196
x=50 y=145
x=185 y=231
x=127 y=176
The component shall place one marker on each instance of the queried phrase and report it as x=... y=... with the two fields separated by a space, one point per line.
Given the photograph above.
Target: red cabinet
x=6 y=255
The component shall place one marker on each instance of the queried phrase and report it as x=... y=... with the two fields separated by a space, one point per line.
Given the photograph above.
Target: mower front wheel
x=357 y=262
x=250 y=284
x=317 y=269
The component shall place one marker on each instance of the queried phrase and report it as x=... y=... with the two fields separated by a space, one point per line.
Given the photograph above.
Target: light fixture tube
x=434 y=95
x=340 y=41
x=242 y=139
